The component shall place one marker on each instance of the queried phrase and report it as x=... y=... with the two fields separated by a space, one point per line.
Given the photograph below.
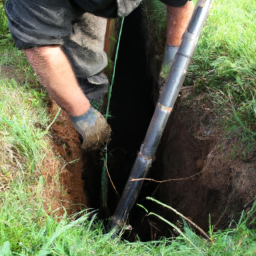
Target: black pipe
x=162 y=112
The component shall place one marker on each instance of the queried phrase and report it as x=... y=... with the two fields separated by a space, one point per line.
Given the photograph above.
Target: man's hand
x=93 y=127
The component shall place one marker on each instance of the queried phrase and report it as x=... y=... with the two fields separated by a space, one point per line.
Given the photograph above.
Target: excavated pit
x=210 y=181
x=131 y=110
x=132 y=106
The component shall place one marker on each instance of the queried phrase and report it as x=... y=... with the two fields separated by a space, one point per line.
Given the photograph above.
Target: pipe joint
x=165 y=108
x=187 y=47
x=145 y=157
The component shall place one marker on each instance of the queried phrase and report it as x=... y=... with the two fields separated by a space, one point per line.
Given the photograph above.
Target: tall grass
x=20 y=112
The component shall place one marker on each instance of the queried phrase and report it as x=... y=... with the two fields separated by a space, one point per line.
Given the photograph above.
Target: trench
x=131 y=109
x=182 y=153
x=132 y=106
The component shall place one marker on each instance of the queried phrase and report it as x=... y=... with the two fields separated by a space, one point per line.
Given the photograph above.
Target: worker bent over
x=64 y=45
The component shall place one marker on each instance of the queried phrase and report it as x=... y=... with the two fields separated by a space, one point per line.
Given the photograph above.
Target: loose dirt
x=80 y=177
x=66 y=144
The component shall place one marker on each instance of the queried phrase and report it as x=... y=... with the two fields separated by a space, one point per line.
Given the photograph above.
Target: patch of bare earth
x=194 y=145
x=68 y=189
x=11 y=72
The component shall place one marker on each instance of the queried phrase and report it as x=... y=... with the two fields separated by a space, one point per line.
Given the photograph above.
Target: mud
x=96 y=136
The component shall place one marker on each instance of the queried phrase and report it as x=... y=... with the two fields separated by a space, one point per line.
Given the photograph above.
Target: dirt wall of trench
x=211 y=181
x=193 y=148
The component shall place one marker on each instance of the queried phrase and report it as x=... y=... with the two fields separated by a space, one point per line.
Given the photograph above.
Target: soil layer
x=194 y=144
x=67 y=146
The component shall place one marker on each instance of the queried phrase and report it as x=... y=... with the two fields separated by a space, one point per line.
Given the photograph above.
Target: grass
x=225 y=64
x=27 y=228
x=156 y=19
x=17 y=123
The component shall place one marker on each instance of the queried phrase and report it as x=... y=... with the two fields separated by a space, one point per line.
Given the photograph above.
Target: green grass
x=225 y=65
x=26 y=228
x=155 y=13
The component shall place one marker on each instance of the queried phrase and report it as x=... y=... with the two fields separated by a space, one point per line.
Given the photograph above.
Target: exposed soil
x=63 y=164
x=80 y=176
x=67 y=145
x=12 y=72
x=193 y=144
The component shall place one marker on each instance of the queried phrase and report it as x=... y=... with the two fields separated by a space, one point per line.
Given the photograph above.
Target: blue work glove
x=93 y=127
x=169 y=54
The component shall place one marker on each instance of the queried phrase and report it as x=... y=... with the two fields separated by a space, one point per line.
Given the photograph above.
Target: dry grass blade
x=175 y=227
x=112 y=183
x=161 y=181
x=178 y=213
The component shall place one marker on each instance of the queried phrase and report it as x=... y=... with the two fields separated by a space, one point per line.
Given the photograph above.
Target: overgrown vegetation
x=224 y=66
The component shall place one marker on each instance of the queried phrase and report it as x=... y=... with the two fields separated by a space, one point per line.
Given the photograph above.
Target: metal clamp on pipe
x=162 y=112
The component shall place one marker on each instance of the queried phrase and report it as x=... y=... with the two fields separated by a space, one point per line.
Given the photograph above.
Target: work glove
x=93 y=128
x=169 y=54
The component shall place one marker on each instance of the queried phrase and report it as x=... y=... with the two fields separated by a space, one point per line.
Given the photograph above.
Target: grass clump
x=156 y=15
x=17 y=123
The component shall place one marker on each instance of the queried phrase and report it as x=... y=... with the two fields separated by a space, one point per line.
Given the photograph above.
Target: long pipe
x=162 y=112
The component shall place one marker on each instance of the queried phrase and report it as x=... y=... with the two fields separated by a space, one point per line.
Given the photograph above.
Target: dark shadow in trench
x=131 y=104
x=131 y=109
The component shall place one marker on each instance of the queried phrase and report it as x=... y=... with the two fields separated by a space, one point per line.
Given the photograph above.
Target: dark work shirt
x=175 y=3
x=108 y=8
x=103 y=8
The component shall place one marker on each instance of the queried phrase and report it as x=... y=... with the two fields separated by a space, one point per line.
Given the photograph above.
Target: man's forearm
x=177 y=22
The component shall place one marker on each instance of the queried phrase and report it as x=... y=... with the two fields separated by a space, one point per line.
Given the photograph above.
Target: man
x=50 y=32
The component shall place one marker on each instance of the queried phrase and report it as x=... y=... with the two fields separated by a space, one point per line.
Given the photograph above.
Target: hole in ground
x=180 y=154
x=131 y=109
x=132 y=106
